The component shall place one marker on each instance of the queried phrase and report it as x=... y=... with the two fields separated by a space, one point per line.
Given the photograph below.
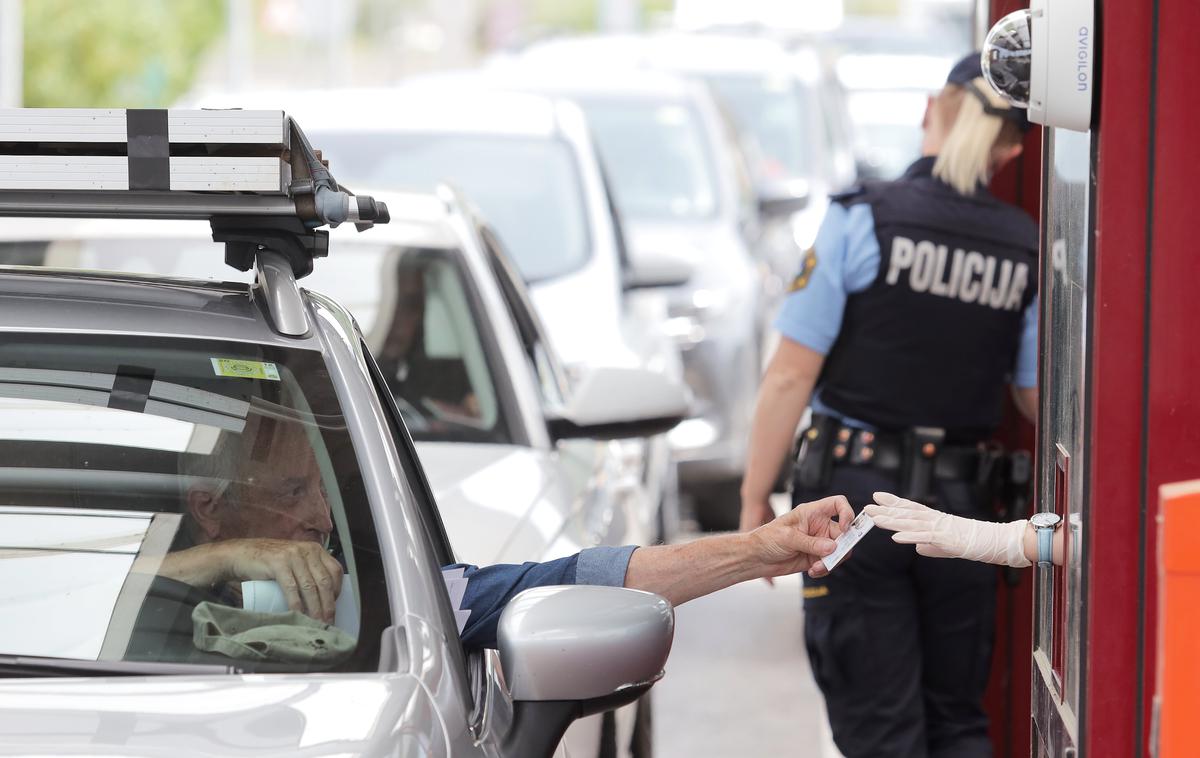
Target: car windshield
x=136 y=473
x=416 y=308
x=528 y=189
x=777 y=115
x=657 y=158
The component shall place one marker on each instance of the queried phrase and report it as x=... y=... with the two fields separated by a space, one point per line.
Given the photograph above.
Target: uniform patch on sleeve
x=819 y=590
x=806 y=269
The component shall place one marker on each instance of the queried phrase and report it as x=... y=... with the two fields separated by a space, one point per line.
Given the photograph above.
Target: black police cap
x=964 y=74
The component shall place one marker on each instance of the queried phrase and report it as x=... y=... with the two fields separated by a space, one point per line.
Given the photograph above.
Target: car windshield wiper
x=14 y=666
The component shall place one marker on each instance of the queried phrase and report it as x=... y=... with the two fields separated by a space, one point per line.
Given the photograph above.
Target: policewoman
x=910 y=318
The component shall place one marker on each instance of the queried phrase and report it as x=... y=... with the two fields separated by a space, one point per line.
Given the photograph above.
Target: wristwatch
x=1044 y=524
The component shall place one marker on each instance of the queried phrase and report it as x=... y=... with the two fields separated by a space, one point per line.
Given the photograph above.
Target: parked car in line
x=475 y=380
x=776 y=99
x=684 y=194
x=115 y=391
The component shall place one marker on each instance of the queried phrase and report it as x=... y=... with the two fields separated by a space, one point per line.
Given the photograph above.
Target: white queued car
x=477 y=385
x=527 y=165
x=684 y=192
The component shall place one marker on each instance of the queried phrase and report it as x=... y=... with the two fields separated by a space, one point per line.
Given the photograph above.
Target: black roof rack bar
x=126 y=204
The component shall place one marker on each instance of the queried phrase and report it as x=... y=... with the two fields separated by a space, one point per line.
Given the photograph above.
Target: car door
x=489 y=710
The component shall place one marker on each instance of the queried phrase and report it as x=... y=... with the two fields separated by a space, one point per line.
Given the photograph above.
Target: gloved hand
x=941 y=535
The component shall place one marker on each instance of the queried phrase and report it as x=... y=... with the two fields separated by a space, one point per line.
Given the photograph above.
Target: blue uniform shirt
x=489 y=588
x=847 y=262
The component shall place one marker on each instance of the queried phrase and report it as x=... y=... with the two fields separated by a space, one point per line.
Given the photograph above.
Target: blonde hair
x=967 y=157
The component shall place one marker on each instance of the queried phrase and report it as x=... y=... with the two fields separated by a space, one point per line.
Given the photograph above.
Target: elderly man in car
x=272 y=520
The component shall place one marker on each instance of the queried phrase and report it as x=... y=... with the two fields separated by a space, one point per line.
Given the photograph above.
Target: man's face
x=277 y=491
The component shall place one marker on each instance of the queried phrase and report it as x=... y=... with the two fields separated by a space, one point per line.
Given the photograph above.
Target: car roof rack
x=252 y=174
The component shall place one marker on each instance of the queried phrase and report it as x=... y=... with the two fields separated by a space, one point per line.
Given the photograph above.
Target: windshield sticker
x=245 y=369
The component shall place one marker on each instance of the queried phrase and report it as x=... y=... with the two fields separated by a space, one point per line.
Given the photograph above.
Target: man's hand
x=310 y=577
x=797 y=540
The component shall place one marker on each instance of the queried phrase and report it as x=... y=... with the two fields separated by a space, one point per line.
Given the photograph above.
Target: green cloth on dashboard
x=288 y=637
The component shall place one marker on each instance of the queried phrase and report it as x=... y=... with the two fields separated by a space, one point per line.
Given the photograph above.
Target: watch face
x=1045 y=520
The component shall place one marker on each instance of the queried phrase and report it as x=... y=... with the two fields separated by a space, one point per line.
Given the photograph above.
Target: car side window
x=432 y=352
x=552 y=379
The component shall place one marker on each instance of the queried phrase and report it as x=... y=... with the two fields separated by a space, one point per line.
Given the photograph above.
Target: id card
x=848 y=539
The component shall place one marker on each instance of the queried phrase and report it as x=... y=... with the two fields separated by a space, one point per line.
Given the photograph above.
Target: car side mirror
x=570 y=652
x=657 y=268
x=612 y=403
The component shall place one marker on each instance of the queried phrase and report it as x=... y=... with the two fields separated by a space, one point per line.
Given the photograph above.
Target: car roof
x=541 y=69
x=688 y=53
x=43 y=299
x=883 y=71
x=36 y=299
x=458 y=101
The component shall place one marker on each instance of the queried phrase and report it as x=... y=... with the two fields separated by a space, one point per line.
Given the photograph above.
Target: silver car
x=687 y=199
x=115 y=393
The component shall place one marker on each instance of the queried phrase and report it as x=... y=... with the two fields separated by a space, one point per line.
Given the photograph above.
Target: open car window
x=124 y=459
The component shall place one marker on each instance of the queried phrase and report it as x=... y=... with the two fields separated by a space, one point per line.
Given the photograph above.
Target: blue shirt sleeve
x=1027 y=354
x=489 y=588
x=847 y=261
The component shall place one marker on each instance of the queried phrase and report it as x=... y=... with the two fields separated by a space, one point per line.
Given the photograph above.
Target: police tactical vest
x=933 y=341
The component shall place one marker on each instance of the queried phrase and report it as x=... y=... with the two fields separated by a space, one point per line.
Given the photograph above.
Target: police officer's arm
x=783 y=395
x=1025 y=391
x=844 y=259
x=1026 y=400
x=941 y=535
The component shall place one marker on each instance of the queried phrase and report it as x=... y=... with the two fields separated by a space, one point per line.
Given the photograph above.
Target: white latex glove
x=941 y=535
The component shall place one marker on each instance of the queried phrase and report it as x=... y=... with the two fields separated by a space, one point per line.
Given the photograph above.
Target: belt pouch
x=814 y=462
x=921 y=446
x=1015 y=494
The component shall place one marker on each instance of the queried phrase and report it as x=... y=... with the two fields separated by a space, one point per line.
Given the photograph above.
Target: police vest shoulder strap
x=863 y=192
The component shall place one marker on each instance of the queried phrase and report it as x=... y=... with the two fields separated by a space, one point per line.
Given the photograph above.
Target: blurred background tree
x=115 y=53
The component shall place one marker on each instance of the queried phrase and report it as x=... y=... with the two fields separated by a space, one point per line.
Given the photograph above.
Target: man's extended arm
x=793 y=542
x=796 y=541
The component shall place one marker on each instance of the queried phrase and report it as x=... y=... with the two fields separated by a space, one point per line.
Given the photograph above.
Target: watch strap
x=1045 y=544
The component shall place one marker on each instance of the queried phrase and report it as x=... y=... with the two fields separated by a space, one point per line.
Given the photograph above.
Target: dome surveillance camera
x=1042 y=59
x=1007 y=52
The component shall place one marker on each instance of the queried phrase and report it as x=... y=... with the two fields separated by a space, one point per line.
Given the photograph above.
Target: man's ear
x=205 y=509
